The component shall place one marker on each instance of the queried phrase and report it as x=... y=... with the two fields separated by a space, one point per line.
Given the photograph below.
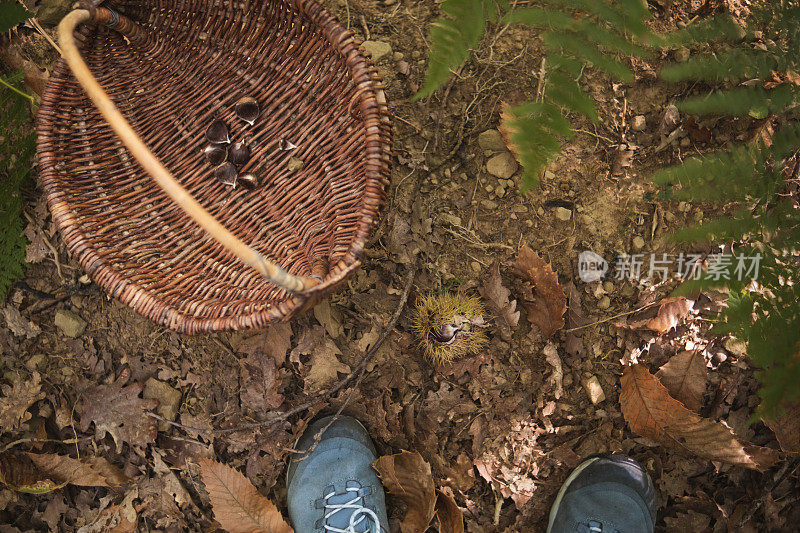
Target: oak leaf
x=16 y=400
x=407 y=476
x=545 y=301
x=237 y=505
x=651 y=412
x=324 y=363
x=496 y=296
x=117 y=409
x=685 y=376
x=786 y=427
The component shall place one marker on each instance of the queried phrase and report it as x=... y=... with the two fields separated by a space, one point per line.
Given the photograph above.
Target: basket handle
x=158 y=172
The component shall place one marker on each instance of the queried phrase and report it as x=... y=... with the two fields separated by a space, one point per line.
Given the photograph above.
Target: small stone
x=735 y=346
x=398 y=56
x=168 y=400
x=500 y=192
x=638 y=242
x=549 y=175
x=377 y=49
x=540 y=211
x=685 y=142
x=639 y=123
x=562 y=213
x=682 y=54
x=491 y=140
x=503 y=165
x=488 y=204
x=593 y=389
x=608 y=286
x=294 y=164
x=683 y=207
x=604 y=303
x=84 y=280
x=476 y=267
x=70 y=323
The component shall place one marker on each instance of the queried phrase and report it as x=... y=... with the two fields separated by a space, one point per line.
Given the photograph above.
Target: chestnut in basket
x=215 y=154
x=247 y=109
x=249 y=181
x=226 y=173
x=239 y=153
x=217 y=132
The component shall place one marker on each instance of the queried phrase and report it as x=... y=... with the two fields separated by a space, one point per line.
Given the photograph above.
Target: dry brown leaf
x=19 y=325
x=496 y=296
x=786 y=427
x=118 y=410
x=16 y=400
x=447 y=512
x=274 y=343
x=651 y=412
x=86 y=471
x=545 y=302
x=669 y=315
x=19 y=473
x=407 y=476
x=507 y=130
x=685 y=376
x=237 y=505
x=259 y=375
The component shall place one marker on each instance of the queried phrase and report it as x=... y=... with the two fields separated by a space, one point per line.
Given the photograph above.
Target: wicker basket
x=171 y=67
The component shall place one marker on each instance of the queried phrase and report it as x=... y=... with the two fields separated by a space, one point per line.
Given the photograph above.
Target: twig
x=612 y=317
x=353 y=376
x=34 y=440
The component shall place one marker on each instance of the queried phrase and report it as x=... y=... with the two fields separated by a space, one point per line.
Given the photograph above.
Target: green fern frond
x=16 y=151
x=452 y=37
x=723 y=28
x=756 y=102
x=732 y=64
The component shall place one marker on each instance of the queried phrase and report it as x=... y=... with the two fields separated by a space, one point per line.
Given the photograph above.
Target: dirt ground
x=494 y=427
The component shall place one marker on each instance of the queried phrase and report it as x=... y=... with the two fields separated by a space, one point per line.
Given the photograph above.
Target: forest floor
x=502 y=429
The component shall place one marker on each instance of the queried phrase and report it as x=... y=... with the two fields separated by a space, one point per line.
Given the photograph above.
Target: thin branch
x=8 y=85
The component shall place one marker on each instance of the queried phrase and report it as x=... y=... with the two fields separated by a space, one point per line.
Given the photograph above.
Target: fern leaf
x=452 y=36
x=743 y=101
x=723 y=28
x=732 y=64
x=16 y=151
x=570 y=44
x=11 y=14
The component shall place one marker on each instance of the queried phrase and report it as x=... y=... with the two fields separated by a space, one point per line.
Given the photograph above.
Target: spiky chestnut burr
x=449 y=326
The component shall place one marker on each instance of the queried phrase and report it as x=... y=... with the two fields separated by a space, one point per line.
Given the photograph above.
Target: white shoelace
x=360 y=513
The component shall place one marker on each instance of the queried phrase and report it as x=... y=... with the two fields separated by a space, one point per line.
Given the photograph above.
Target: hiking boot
x=608 y=493
x=333 y=488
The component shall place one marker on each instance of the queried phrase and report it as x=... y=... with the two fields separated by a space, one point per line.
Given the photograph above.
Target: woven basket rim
x=374 y=111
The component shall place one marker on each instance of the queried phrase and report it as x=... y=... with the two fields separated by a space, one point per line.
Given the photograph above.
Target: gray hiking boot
x=333 y=488
x=607 y=493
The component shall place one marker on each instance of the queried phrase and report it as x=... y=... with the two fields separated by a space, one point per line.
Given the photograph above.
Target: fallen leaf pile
x=41 y=473
x=497 y=299
x=407 y=476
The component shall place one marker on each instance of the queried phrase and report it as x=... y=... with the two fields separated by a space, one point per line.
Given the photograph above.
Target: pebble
x=540 y=211
x=488 y=204
x=682 y=54
x=70 y=323
x=638 y=242
x=398 y=56
x=377 y=49
x=592 y=387
x=168 y=400
x=639 y=123
x=608 y=285
x=476 y=267
x=604 y=303
x=502 y=165
x=562 y=213
x=491 y=140
x=735 y=346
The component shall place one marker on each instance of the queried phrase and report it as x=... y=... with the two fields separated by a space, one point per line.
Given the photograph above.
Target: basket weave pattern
x=189 y=62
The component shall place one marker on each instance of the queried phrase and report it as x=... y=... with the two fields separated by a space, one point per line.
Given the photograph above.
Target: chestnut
x=249 y=181
x=215 y=154
x=226 y=173
x=217 y=132
x=239 y=153
x=247 y=109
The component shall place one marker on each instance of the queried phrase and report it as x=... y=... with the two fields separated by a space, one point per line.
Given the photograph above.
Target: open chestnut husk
x=247 y=109
x=249 y=181
x=239 y=153
x=226 y=173
x=217 y=132
x=215 y=154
